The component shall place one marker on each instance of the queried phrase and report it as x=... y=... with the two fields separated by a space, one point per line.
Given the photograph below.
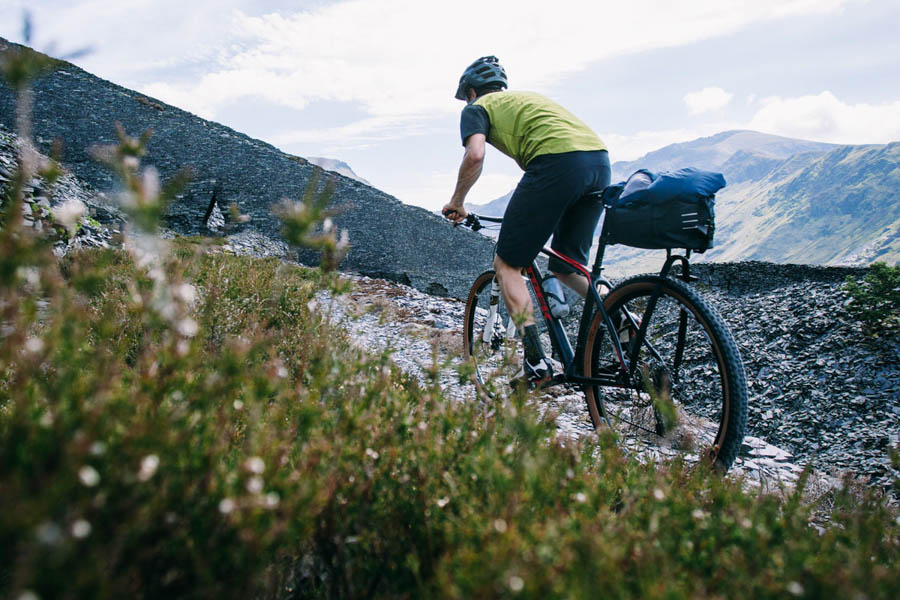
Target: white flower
x=255 y=484
x=188 y=327
x=272 y=499
x=89 y=476
x=185 y=292
x=48 y=533
x=30 y=274
x=226 y=506
x=255 y=464
x=98 y=448
x=148 y=467
x=69 y=213
x=150 y=181
x=698 y=514
x=81 y=529
x=580 y=497
x=371 y=454
x=28 y=595
x=442 y=502
x=658 y=494
x=795 y=588
x=237 y=404
x=500 y=525
x=516 y=583
x=34 y=345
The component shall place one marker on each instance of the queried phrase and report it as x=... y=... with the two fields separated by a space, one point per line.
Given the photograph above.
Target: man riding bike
x=563 y=160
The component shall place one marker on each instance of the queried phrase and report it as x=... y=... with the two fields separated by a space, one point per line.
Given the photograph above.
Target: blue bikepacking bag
x=671 y=209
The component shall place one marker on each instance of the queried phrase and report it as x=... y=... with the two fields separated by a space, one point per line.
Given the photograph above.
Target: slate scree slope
x=389 y=239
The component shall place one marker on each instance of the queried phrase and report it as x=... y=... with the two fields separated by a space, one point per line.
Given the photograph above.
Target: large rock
x=389 y=239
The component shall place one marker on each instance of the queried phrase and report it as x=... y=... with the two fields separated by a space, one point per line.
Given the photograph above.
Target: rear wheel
x=688 y=393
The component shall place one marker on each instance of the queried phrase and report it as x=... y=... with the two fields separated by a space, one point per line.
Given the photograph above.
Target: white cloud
x=826 y=118
x=707 y=99
x=395 y=57
x=357 y=134
x=128 y=38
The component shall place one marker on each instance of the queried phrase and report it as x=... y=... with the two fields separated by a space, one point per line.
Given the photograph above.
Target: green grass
x=264 y=456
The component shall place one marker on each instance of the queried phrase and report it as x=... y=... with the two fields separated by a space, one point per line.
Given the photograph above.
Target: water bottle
x=556 y=299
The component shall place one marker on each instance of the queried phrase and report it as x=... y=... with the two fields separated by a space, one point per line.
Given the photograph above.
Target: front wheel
x=686 y=393
x=490 y=338
x=489 y=335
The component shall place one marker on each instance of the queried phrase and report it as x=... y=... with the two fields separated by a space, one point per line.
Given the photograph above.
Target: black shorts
x=550 y=200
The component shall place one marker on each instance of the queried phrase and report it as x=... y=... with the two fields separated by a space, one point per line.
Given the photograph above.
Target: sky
x=371 y=82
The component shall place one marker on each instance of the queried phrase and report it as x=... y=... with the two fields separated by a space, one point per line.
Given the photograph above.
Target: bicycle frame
x=625 y=376
x=558 y=337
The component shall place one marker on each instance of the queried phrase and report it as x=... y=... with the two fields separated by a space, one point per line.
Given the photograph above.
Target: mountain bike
x=655 y=361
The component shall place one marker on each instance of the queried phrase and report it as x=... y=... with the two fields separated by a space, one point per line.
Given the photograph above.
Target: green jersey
x=524 y=125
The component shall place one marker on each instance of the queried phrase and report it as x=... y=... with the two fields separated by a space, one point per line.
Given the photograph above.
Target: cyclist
x=562 y=159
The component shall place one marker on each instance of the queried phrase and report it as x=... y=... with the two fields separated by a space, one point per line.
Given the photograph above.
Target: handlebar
x=473 y=221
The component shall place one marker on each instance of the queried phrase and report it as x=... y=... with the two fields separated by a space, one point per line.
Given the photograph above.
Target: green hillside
x=841 y=208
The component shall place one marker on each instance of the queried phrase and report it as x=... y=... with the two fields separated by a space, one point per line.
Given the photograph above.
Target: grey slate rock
x=388 y=238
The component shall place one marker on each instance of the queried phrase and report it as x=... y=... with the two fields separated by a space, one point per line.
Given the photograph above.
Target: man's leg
x=536 y=368
x=515 y=293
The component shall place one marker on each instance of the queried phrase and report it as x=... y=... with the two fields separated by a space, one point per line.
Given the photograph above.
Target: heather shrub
x=875 y=300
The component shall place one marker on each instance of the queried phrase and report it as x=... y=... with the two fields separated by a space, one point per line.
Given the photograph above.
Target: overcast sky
x=371 y=82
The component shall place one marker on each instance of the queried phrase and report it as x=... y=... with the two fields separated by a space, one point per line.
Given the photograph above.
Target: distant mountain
x=494 y=208
x=837 y=208
x=714 y=152
x=337 y=166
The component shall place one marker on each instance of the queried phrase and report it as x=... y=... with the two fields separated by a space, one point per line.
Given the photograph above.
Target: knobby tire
x=693 y=396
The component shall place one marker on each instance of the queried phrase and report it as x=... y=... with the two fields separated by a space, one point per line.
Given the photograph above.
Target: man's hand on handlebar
x=455 y=213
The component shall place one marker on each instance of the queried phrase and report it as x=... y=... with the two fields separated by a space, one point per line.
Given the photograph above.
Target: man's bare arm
x=469 y=171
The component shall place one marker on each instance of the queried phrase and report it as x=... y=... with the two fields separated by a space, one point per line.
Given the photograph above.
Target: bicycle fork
x=494 y=316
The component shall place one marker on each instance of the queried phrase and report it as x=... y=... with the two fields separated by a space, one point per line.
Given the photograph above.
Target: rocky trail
x=793 y=421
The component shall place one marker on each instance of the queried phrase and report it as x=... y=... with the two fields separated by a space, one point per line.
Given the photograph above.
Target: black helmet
x=485 y=72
